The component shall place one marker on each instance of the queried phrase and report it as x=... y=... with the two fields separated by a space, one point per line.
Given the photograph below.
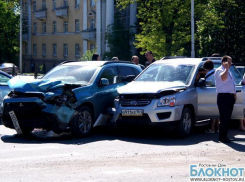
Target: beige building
x=58 y=30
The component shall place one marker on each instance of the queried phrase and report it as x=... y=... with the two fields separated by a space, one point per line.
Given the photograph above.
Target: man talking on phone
x=225 y=86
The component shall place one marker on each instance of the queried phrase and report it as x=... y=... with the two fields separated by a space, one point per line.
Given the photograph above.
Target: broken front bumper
x=35 y=113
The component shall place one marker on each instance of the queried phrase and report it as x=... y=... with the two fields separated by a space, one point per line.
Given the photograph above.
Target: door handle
x=238 y=91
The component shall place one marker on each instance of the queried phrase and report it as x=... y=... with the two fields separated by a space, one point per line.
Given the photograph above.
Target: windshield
x=168 y=72
x=72 y=74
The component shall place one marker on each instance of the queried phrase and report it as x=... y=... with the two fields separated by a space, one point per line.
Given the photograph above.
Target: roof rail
x=113 y=62
x=66 y=62
x=173 y=57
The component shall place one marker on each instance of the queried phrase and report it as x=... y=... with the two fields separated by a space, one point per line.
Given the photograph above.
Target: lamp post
x=192 y=30
x=21 y=14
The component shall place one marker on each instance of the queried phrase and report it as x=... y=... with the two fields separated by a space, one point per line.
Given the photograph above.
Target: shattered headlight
x=167 y=101
x=61 y=99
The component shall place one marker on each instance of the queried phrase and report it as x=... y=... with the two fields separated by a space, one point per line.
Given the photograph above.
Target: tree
x=118 y=39
x=221 y=28
x=9 y=31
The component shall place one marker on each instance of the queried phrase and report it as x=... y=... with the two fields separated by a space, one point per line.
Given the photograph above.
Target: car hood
x=21 y=85
x=150 y=87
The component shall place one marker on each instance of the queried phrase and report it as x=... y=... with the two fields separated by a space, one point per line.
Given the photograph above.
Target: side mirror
x=201 y=82
x=129 y=78
x=104 y=82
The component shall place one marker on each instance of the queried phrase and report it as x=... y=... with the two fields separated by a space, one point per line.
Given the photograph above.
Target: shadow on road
x=143 y=135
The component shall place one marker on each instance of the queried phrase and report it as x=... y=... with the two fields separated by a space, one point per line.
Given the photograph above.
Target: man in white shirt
x=225 y=86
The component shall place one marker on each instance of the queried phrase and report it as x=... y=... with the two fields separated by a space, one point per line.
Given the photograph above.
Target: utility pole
x=192 y=30
x=21 y=14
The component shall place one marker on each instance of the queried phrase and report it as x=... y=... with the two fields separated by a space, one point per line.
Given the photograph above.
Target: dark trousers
x=225 y=103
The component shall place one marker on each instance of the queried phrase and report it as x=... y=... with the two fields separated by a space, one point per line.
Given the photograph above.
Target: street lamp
x=192 y=30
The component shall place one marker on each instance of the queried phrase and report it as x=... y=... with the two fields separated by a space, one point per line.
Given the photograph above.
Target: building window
x=54 y=50
x=92 y=3
x=65 y=26
x=44 y=50
x=26 y=49
x=44 y=4
x=44 y=27
x=77 y=25
x=35 y=27
x=92 y=46
x=77 y=3
x=54 y=27
x=34 y=6
x=65 y=50
x=77 y=50
x=65 y=3
x=34 y=49
x=54 y=4
x=92 y=24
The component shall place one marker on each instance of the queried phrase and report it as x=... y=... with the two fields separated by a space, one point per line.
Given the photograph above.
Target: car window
x=236 y=74
x=72 y=74
x=125 y=71
x=4 y=79
x=168 y=73
x=111 y=74
x=136 y=72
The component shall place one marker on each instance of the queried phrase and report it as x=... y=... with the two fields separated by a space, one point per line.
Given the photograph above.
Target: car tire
x=185 y=126
x=82 y=124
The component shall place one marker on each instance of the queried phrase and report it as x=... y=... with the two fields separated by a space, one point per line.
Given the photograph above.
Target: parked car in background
x=241 y=69
x=8 y=67
x=167 y=93
x=73 y=95
x=4 y=88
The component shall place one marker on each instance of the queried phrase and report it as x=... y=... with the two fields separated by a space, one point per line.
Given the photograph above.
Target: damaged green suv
x=73 y=95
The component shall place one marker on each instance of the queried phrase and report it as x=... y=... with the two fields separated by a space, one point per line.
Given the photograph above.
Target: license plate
x=131 y=112
x=15 y=122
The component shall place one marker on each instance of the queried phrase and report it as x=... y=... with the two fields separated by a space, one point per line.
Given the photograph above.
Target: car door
x=207 y=100
x=107 y=94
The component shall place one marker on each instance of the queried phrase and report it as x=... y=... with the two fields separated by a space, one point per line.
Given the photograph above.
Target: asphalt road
x=128 y=154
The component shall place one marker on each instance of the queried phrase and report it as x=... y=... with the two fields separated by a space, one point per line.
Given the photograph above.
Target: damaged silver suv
x=168 y=93
x=73 y=95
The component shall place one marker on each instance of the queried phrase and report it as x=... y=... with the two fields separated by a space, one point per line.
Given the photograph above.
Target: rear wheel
x=82 y=124
x=185 y=125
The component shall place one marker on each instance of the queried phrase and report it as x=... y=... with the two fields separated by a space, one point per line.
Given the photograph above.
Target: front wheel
x=185 y=125
x=82 y=124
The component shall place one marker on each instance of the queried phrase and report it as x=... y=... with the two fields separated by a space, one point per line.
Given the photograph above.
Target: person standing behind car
x=95 y=57
x=226 y=98
x=149 y=57
x=135 y=60
x=210 y=81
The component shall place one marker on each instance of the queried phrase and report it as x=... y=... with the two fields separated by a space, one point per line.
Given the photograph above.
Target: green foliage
x=9 y=31
x=118 y=39
x=221 y=28
x=87 y=56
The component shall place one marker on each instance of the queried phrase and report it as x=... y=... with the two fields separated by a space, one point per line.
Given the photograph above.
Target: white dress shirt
x=227 y=86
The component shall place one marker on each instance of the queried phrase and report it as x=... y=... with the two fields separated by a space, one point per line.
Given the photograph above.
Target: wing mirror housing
x=104 y=82
x=201 y=82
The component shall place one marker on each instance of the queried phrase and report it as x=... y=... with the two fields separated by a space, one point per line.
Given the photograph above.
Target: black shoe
x=226 y=140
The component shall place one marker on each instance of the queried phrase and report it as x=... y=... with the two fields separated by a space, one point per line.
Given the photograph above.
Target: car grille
x=27 y=113
x=132 y=103
x=131 y=100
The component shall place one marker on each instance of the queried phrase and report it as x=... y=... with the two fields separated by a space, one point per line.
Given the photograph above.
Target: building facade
x=58 y=30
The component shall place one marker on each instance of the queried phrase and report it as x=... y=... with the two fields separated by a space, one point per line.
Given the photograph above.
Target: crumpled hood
x=149 y=87
x=25 y=86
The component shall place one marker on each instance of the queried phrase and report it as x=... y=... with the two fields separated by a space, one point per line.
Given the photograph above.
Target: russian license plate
x=15 y=122
x=132 y=112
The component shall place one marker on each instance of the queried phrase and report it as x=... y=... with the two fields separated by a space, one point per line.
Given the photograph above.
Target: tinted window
x=111 y=74
x=136 y=72
x=124 y=72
